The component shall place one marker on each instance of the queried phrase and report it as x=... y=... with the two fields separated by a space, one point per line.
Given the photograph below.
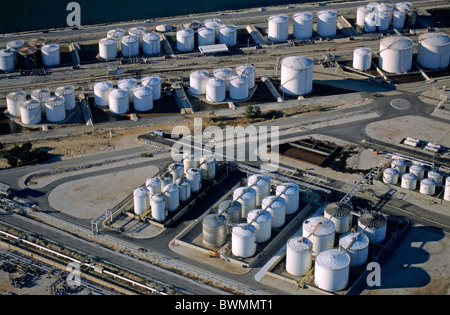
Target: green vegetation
x=24 y=155
x=252 y=111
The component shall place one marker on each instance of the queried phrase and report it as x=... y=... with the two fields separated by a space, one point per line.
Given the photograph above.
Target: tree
x=252 y=111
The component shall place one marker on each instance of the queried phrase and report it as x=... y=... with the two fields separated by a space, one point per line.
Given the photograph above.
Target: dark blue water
x=26 y=15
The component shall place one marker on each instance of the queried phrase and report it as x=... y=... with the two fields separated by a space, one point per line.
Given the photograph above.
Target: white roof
x=212 y=49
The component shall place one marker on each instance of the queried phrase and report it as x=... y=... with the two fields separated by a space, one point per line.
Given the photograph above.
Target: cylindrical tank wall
x=298 y=256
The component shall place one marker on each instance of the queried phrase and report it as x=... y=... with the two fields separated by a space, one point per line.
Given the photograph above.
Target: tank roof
x=333 y=259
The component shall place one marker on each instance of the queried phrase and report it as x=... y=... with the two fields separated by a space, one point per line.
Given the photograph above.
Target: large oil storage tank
x=107 y=48
x=390 y=176
x=409 y=181
x=298 y=256
x=28 y=58
x=303 y=25
x=434 y=50
x=155 y=83
x=214 y=24
x=262 y=221
x=247 y=198
x=208 y=168
x=185 y=40
x=153 y=184
x=290 y=192
x=117 y=35
x=68 y=92
x=130 y=46
x=400 y=165
x=418 y=170
x=321 y=232
x=151 y=44
x=326 y=23
x=143 y=98
x=332 y=270
x=370 y=22
x=215 y=90
x=373 y=225
x=232 y=211
x=206 y=36
x=239 y=87
x=191 y=160
x=396 y=53
x=436 y=176
x=249 y=72
x=243 y=241
x=361 y=13
x=141 y=200
x=30 y=112
x=362 y=59
x=224 y=74
x=197 y=82
x=195 y=177
x=119 y=102
x=447 y=189
x=214 y=230
x=398 y=19
x=177 y=170
x=55 y=110
x=138 y=32
x=13 y=101
x=41 y=95
x=173 y=197
x=341 y=215
x=276 y=206
x=51 y=55
x=357 y=246
x=158 y=205
x=228 y=35
x=261 y=184
x=128 y=85
x=101 y=92
x=427 y=186
x=297 y=75
x=278 y=28
x=7 y=60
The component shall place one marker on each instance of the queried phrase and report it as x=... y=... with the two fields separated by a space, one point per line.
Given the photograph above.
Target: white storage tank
x=197 y=82
x=143 y=98
x=214 y=230
x=303 y=25
x=404 y=6
x=297 y=75
x=30 y=112
x=215 y=90
x=362 y=58
x=119 y=102
x=341 y=215
x=427 y=186
x=206 y=36
x=195 y=177
x=158 y=205
x=383 y=20
x=208 y=168
x=239 y=87
x=326 y=23
x=361 y=13
x=13 y=101
x=51 y=55
x=185 y=40
x=130 y=46
x=191 y=160
x=396 y=53
x=436 y=176
x=247 y=198
x=332 y=270
x=15 y=45
x=101 y=92
x=41 y=95
x=262 y=221
x=214 y=24
x=398 y=19
x=418 y=170
x=141 y=200
x=107 y=48
x=54 y=109
x=249 y=72
x=278 y=28
x=232 y=211
x=399 y=165
x=357 y=246
x=128 y=85
x=153 y=185
x=447 y=189
x=373 y=225
x=177 y=170
x=225 y=74
x=7 y=60
x=434 y=50
x=166 y=179
x=298 y=256
x=291 y=194
x=173 y=197
x=151 y=44
x=390 y=176
x=261 y=184
x=370 y=22
x=138 y=32
x=276 y=206
x=228 y=35
x=68 y=92
x=155 y=83
x=243 y=241
x=321 y=232
x=117 y=35
x=409 y=181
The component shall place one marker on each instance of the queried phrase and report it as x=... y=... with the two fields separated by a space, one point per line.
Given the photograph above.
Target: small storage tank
x=427 y=186
x=262 y=221
x=261 y=184
x=362 y=59
x=291 y=194
x=447 y=189
x=193 y=24
x=411 y=18
x=119 y=102
x=409 y=181
x=128 y=85
x=173 y=197
x=278 y=28
x=373 y=225
x=383 y=21
x=55 y=110
x=249 y=72
x=297 y=75
x=372 y=7
x=15 y=45
x=194 y=176
x=166 y=179
x=232 y=211
x=151 y=44
x=117 y=35
x=51 y=55
x=298 y=256
x=101 y=92
x=276 y=206
x=332 y=269
x=155 y=83
x=41 y=95
x=208 y=168
x=197 y=82
x=68 y=92
x=436 y=176
x=398 y=19
x=228 y=35
x=7 y=60
x=107 y=48
x=215 y=90
x=206 y=36
x=320 y=231
x=361 y=13
x=28 y=58
x=159 y=210
x=403 y=6
x=130 y=46
x=143 y=98
x=390 y=176
x=303 y=25
x=214 y=230
x=247 y=198
x=434 y=50
x=225 y=74
x=396 y=53
x=341 y=215
x=190 y=160
x=214 y=24
x=370 y=22
x=399 y=165
x=185 y=40
x=141 y=200
x=13 y=101
x=30 y=112
x=177 y=170
x=418 y=170
x=326 y=23
x=239 y=87
x=138 y=32
x=153 y=185
x=357 y=246
x=243 y=241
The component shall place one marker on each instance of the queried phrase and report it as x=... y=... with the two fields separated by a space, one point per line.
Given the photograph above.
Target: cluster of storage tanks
x=129 y=44
x=316 y=244
x=164 y=194
x=223 y=82
x=29 y=55
x=128 y=91
x=42 y=102
x=416 y=177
